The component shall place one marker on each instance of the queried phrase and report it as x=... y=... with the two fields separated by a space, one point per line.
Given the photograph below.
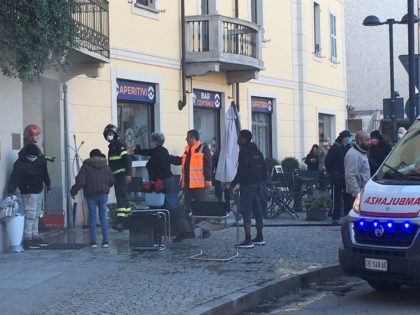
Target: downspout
x=183 y=101
x=237 y=84
x=66 y=157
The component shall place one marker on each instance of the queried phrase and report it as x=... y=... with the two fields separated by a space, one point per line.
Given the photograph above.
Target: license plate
x=376 y=264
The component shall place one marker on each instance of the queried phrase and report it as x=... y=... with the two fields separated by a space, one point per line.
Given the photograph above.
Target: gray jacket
x=357 y=170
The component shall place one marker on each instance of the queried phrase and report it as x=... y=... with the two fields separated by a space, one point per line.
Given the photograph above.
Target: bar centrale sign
x=262 y=104
x=207 y=99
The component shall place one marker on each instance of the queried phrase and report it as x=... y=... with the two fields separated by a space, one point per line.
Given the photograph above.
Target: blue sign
x=207 y=99
x=136 y=91
x=262 y=105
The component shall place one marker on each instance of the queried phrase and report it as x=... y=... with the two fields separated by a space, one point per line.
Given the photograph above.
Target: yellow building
x=177 y=65
x=282 y=62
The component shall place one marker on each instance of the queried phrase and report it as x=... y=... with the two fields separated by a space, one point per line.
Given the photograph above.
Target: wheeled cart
x=149 y=229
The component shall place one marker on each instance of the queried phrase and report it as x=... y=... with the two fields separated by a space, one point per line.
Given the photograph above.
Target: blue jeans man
x=99 y=203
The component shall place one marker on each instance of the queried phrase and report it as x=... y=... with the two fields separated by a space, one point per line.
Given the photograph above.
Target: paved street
x=344 y=296
x=117 y=281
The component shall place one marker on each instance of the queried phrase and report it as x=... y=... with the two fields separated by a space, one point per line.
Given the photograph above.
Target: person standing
x=312 y=159
x=401 y=132
x=334 y=163
x=379 y=150
x=195 y=170
x=120 y=164
x=251 y=173
x=159 y=167
x=30 y=173
x=31 y=134
x=356 y=165
x=96 y=179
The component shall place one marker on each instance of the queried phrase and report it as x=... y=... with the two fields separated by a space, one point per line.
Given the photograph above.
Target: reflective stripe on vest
x=118 y=171
x=197 y=179
x=118 y=157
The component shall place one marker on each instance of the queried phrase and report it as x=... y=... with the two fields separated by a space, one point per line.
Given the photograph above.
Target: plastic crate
x=54 y=218
x=154 y=199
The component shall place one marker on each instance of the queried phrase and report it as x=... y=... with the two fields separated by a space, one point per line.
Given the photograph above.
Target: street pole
x=414 y=106
x=391 y=23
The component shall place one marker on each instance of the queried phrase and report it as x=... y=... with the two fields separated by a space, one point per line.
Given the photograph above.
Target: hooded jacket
x=95 y=177
x=334 y=161
x=29 y=176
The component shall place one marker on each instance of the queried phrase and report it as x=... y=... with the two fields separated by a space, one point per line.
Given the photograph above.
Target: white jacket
x=356 y=169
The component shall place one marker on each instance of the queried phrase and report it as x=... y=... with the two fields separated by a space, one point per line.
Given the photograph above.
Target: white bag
x=9 y=208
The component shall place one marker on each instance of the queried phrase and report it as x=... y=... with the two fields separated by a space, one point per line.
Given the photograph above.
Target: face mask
x=31 y=157
x=110 y=138
x=399 y=136
x=350 y=141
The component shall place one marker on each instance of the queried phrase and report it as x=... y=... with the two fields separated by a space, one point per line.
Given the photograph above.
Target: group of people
x=349 y=164
x=99 y=173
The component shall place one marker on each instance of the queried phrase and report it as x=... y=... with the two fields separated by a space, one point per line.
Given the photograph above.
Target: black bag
x=258 y=167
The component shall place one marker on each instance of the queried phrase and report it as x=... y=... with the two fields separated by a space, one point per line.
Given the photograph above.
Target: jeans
x=250 y=202
x=97 y=202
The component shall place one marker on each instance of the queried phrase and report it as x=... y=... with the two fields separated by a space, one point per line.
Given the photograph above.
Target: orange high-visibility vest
x=197 y=179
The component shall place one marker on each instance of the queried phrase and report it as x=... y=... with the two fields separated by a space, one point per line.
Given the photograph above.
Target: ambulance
x=380 y=235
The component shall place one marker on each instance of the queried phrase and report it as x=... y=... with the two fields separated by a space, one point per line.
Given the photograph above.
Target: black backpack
x=258 y=168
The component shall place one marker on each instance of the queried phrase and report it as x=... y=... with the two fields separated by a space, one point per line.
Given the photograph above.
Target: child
x=30 y=174
x=96 y=179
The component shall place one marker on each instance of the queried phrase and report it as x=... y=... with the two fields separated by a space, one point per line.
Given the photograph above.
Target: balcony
x=92 y=19
x=215 y=43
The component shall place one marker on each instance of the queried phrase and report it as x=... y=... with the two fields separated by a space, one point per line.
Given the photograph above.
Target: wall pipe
x=183 y=101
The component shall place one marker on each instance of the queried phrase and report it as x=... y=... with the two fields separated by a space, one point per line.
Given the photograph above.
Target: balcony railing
x=216 y=43
x=92 y=18
x=236 y=38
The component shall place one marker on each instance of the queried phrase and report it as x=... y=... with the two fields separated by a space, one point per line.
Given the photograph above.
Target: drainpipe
x=237 y=84
x=183 y=101
x=66 y=157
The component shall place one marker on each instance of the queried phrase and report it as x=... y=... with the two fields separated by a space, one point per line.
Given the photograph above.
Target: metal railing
x=206 y=33
x=239 y=39
x=92 y=19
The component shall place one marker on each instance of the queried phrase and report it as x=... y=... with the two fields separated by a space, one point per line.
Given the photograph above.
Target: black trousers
x=123 y=206
x=338 y=195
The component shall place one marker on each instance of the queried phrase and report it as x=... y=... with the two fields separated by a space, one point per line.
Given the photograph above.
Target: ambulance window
x=403 y=164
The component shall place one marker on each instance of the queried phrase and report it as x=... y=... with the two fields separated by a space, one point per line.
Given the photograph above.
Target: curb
x=247 y=298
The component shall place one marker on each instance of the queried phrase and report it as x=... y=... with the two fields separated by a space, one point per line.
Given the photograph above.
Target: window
x=317 y=29
x=204 y=7
x=325 y=127
x=262 y=108
x=333 y=37
x=135 y=123
x=149 y=4
x=207 y=122
x=261 y=130
x=256 y=11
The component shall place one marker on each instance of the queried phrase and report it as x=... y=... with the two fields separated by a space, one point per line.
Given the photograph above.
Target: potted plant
x=290 y=164
x=319 y=205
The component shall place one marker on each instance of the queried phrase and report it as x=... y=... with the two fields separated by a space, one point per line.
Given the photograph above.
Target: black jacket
x=244 y=175
x=377 y=154
x=119 y=160
x=29 y=176
x=159 y=165
x=312 y=166
x=95 y=177
x=334 y=161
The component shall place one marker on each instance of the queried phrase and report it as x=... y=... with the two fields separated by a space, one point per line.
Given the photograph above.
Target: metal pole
x=391 y=23
x=414 y=106
x=66 y=158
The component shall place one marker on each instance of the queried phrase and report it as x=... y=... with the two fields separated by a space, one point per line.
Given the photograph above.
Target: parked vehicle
x=380 y=236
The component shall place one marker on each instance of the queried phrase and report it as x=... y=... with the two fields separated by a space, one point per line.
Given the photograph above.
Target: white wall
x=11 y=123
x=368 y=52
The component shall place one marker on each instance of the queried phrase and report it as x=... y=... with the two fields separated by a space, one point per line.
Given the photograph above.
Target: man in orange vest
x=195 y=170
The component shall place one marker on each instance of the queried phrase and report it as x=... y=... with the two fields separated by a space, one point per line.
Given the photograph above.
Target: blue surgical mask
x=350 y=141
x=400 y=135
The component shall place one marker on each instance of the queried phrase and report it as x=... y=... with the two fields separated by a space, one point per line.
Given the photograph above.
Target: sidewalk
x=117 y=281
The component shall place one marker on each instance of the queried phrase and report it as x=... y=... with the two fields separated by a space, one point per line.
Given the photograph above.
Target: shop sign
x=262 y=105
x=136 y=91
x=207 y=99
